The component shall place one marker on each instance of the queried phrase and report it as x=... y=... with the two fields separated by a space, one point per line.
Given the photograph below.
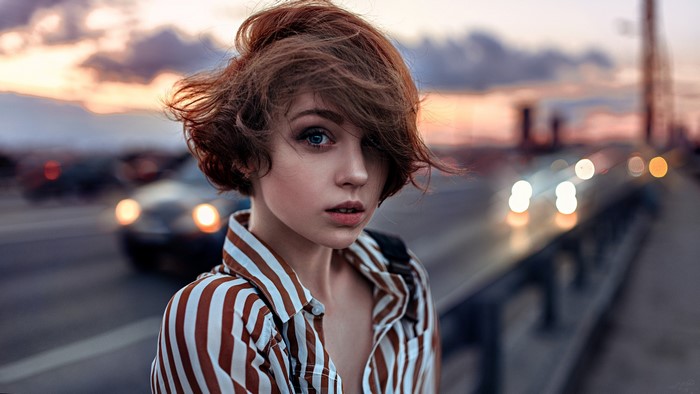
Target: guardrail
x=472 y=317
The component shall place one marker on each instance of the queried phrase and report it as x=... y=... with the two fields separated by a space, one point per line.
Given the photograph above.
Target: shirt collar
x=364 y=254
x=250 y=258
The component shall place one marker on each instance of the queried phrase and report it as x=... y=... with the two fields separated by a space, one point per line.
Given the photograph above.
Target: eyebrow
x=324 y=113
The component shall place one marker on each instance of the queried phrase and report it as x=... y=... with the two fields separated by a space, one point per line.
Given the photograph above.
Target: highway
x=76 y=317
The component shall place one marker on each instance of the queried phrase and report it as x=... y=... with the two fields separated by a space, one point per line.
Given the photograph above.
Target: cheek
x=291 y=183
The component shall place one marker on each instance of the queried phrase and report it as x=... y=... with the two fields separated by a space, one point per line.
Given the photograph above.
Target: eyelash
x=315 y=131
x=304 y=136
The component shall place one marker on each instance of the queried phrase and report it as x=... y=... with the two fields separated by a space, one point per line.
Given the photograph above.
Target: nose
x=352 y=171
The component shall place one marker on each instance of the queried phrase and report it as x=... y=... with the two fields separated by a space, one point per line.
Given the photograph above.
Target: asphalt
x=651 y=340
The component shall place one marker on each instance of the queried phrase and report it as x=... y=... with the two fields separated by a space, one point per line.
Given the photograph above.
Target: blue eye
x=317 y=138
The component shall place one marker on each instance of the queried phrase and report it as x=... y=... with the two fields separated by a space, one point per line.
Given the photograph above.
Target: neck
x=310 y=261
x=313 y=267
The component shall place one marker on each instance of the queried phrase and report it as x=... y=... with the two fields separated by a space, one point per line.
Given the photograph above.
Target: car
x=64 y=176
x=180 y=219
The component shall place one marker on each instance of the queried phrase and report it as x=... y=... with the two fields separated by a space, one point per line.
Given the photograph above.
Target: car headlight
x=584 y=169
x=127 y=211
x=206 y=217
x=520 y=195
x=566 y=202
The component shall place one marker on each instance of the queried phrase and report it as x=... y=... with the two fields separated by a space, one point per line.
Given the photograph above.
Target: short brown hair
x=309 y=44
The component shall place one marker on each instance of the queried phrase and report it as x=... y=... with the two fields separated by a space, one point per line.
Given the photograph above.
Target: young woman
x=315 y=120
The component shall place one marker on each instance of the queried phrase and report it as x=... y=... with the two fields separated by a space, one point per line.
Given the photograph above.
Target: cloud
x=480 y=60
x=67 y=27
x=477 y=61
x=151 y=53
x=18 y=13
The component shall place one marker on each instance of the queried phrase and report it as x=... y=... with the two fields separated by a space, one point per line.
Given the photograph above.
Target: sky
x=89 y=67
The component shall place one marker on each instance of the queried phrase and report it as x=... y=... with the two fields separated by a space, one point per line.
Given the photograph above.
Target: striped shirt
x=249 y=325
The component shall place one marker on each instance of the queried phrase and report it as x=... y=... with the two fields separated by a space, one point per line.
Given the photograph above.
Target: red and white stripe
x=249 y=326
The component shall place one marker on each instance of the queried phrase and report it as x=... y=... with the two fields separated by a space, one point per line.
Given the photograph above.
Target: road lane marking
x=60 y=234
x=110 y=341
x=30 y=214
x=47 y=224
x=55 y=228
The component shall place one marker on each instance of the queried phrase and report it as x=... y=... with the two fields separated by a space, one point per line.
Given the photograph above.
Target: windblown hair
x=309 y=45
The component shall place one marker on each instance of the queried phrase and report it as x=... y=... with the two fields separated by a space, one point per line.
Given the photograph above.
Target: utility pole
x=526 y=121
x=649 y=63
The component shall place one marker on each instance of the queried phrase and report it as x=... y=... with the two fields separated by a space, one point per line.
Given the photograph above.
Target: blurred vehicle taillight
x=52 y=170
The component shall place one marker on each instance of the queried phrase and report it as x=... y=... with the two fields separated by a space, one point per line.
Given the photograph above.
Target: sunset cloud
x=148 y=55
x=476 y=61
x=47 y=22
x=480 y=60
x=116 y=56
x=18 y=13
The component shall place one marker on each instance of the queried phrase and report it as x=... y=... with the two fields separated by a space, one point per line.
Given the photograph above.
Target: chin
x=342 y=239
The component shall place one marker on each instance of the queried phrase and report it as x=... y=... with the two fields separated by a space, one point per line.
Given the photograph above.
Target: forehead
x=315 y=104
x=312 y=103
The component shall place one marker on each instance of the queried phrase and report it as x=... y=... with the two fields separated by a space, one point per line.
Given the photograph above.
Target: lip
x=349 y=219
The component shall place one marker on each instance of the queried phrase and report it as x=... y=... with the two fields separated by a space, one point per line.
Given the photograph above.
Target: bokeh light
x=519 y=200
x=518 y=203
x=566 y=197
x=567 y=204
x=127 y=211
x=206 y=217
x=522 y=189
x=558 y=165
x=635 y=166
x=565 y=189
x=585 y=169
x=52 y=170
x=658 y=167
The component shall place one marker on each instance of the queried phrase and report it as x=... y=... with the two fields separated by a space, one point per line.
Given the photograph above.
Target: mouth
x=348 y=208
x=344 y=210
x=349 y=214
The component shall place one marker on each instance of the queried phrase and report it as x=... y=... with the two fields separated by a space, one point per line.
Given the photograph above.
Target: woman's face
x=325 y=181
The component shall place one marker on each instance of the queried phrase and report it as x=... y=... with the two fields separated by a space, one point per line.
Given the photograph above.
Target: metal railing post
x=488 y=311
x=546 y=276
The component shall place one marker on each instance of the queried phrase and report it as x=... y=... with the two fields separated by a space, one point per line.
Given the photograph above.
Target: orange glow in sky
x=31 y=65
x=452 y=118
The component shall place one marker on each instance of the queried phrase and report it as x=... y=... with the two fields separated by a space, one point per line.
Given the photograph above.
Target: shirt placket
x=380 y=332
x=382 y=288
x=312 y=314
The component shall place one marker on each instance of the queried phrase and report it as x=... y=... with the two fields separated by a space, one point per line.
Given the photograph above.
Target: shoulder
x=218 y=301
x=216 y=331
x=420 y=308
x=375 y=255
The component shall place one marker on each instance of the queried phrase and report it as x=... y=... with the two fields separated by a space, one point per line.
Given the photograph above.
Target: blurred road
x=75 y=317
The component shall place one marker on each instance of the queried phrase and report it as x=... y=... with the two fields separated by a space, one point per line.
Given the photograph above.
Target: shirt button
x=317 y=308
